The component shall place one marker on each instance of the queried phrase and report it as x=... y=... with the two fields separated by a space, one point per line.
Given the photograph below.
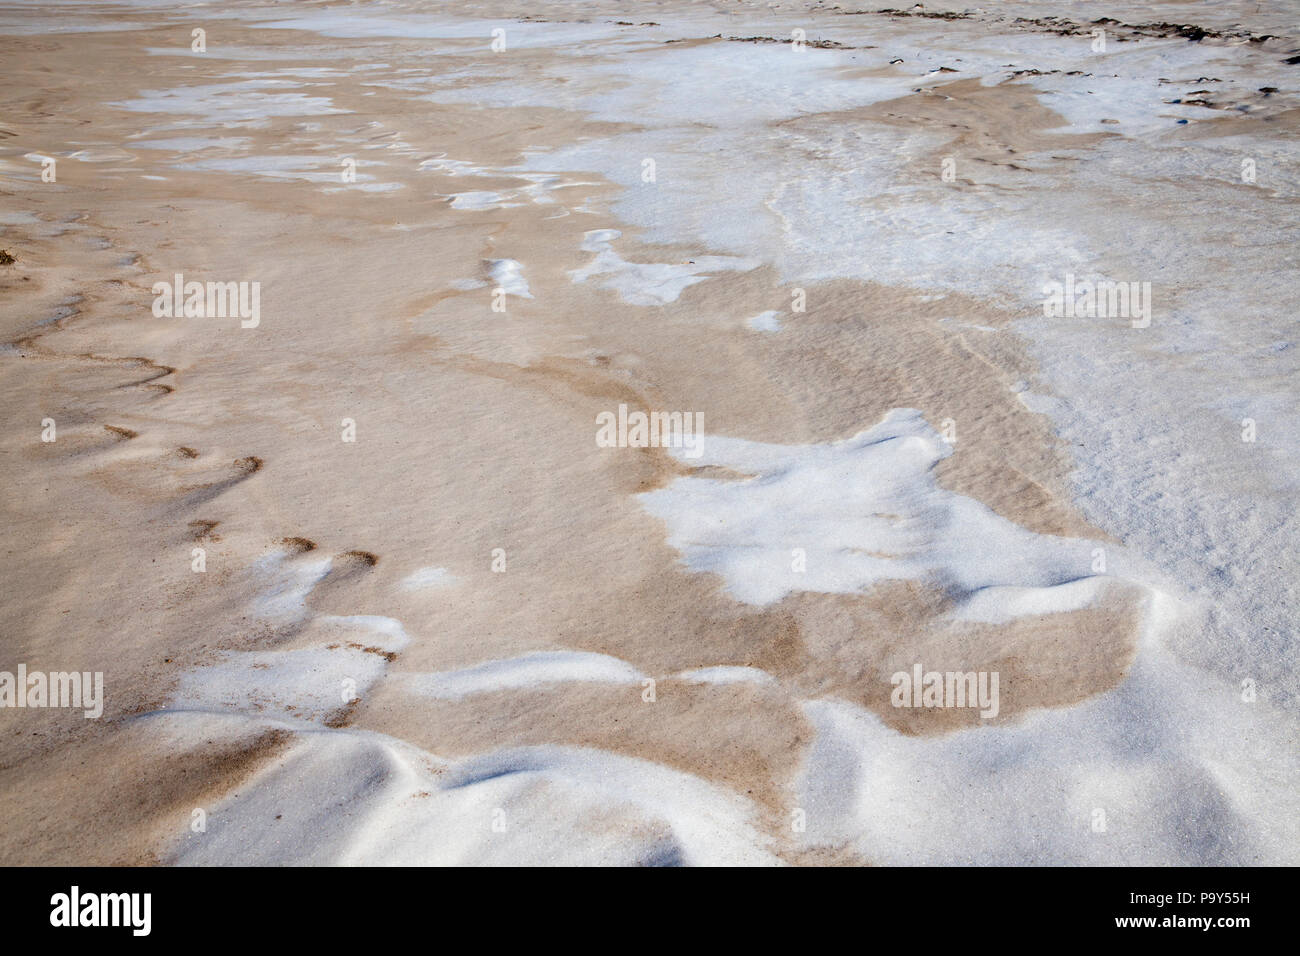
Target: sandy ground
x=473 y=441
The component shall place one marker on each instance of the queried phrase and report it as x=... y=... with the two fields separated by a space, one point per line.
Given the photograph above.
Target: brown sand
x=474 y=432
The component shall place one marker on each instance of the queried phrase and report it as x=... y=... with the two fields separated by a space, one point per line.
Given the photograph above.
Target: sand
x=394 y=482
